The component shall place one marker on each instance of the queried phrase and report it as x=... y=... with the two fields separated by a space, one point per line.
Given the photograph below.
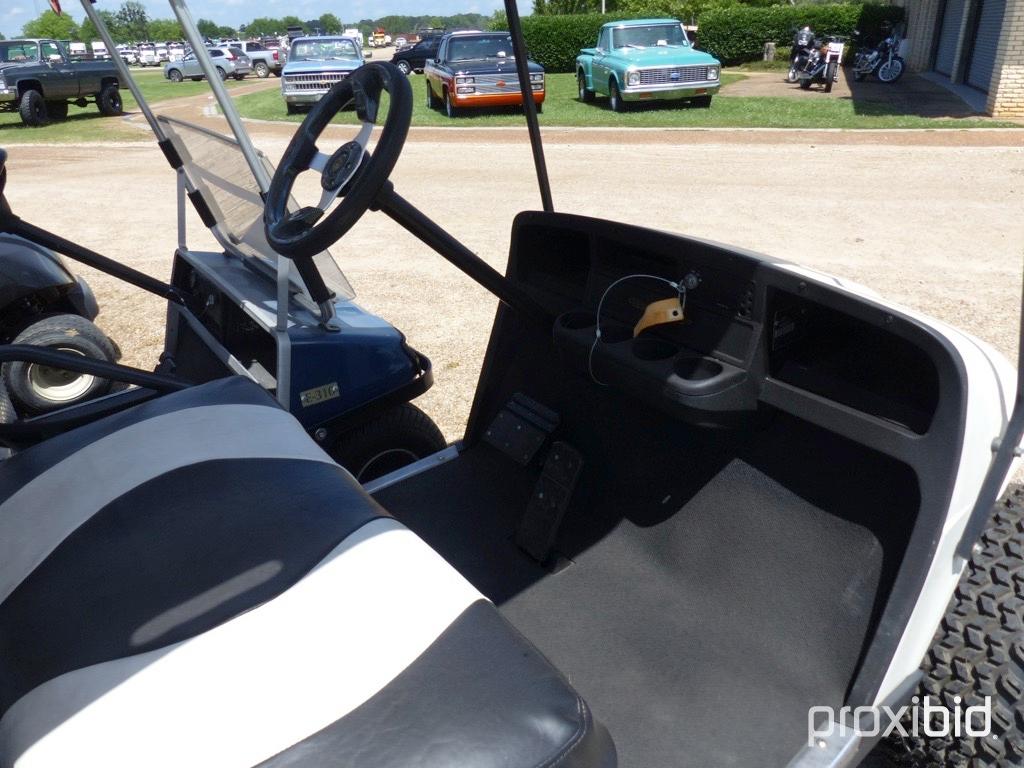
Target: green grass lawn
x=87 y=124
x=562 y=108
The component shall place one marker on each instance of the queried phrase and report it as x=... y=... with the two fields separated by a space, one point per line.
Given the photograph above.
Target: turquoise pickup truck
x=644 y=60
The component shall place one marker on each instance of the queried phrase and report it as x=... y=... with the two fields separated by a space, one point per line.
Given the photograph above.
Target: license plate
x=319 y=395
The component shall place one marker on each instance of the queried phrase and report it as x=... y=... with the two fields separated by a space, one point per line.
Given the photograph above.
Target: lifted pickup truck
x=38 y=79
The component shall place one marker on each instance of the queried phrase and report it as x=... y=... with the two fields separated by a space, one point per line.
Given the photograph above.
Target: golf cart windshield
x=649 y=36
x=216 y=167
x=480 y=47
x=323 y=50
x=18 y=51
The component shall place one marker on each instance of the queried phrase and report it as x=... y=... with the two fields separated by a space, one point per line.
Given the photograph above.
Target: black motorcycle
x=823 y=63
x=882 y=60
x=803 y=44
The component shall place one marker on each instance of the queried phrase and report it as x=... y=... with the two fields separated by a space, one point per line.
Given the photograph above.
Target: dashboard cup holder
x=577 y=321
x=653 y=349
x=697 y=368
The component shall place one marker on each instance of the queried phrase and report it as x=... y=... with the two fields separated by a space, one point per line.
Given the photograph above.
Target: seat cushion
x=194 y=582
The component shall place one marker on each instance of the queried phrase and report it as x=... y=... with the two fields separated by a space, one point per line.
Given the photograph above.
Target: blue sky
x=14 y=13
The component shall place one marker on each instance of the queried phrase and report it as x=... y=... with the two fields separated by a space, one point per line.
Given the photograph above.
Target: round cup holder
x=577 y=321
x=697 y=368
x=653 y=349
x=612 y=333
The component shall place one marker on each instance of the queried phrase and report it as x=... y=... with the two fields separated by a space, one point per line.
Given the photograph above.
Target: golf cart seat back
x=194 y=582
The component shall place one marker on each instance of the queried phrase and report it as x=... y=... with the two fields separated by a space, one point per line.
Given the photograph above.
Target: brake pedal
x=550 y=499
x=520 y=428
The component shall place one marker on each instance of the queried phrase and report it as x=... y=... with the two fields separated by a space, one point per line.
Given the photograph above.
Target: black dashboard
x=757 y=333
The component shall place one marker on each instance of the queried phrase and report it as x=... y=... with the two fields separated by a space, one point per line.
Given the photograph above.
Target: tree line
x=131 y=23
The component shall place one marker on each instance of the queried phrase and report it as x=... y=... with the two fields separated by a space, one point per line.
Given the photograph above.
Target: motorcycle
x=883 y=60
x=823 y=63
x=803 y=44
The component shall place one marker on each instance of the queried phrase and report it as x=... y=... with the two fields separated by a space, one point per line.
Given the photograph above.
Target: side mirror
x=55 y=58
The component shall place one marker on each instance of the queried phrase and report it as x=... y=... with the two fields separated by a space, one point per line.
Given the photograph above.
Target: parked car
x=230 y=62
x=265 y=61
x=148 y=56
x=38 y=79
x=400 y=42
x=314 y=65
x=645 y=60
x=478 y=69
x=413 y=58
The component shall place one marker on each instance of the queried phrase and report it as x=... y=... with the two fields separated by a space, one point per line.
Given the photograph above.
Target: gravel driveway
x=929 y=221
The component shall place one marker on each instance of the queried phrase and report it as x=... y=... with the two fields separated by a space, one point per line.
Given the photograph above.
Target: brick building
x=974 y=43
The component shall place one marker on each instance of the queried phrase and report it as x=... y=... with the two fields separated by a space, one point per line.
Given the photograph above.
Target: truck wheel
x=586 y=95
x=701 y=102
x=449 y=109
x=404 y=68
x=261 y=69
x=292 y=109
x=394 y=439
x=615 y=97
x=57 y=110
x=431 y=99
x=978 y=652
x=196 y=79
x=109 y=101
x=40 y=388
x=239 y=77
x=32 y=108
x=175 y=76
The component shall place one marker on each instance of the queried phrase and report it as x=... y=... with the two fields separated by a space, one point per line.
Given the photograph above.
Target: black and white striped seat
x=195 y=583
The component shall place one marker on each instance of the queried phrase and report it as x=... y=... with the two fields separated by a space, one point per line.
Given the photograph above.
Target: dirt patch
x=934 y=227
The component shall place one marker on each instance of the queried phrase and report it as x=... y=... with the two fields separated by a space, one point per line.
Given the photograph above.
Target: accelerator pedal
x=520 y=428
x=551 y=496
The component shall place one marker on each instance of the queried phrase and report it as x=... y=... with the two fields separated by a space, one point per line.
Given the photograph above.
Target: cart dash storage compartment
x=851 y=362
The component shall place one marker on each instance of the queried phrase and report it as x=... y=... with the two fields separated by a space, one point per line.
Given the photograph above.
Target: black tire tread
x=101 y=347
x=978 y=650
x=27 y=106
x=376 y=435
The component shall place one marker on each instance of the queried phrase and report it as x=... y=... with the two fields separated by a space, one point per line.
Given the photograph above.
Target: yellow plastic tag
x=658 y=313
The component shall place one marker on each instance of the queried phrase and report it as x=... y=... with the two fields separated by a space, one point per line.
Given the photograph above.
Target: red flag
x=55 y=4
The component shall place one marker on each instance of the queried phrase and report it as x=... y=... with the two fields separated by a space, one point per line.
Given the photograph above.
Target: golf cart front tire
x=27 y=386
x=399 y=436
x=978 y=651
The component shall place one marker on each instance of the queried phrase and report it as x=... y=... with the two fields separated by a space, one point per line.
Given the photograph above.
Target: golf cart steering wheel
x=351 y=173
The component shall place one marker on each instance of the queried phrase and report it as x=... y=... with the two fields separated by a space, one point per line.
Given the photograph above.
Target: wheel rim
x=613 y=97
x=261 y=70
x=115 y=102
x=56 y=385
x=448 y=104
x=403 y=67
x=579 y=82
x=386 y=461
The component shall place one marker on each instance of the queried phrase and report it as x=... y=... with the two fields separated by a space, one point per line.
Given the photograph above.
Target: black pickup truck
x=38 y=79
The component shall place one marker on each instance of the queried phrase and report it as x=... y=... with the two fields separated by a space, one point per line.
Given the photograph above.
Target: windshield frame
x=6 y=45
x=619 y=32
x=295 y=55
x=456 y=39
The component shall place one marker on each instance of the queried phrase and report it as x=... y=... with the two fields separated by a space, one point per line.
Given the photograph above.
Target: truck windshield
x=18 y=50
x=323 y=50
x=480 y=47
x=649 y=36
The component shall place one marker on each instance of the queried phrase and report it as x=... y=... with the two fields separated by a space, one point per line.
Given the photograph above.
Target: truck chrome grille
x=313 y=81
x=493 y=83
x=670 y=75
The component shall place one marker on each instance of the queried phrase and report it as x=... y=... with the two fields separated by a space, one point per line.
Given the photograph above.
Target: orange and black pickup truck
x=478 y=69
x=38 y=79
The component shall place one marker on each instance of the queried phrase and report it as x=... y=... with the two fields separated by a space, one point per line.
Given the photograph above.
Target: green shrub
x=738 y=33
x=732 y=33
x=554 y=42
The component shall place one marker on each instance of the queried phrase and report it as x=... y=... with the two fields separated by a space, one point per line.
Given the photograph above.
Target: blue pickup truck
x=644 y=60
